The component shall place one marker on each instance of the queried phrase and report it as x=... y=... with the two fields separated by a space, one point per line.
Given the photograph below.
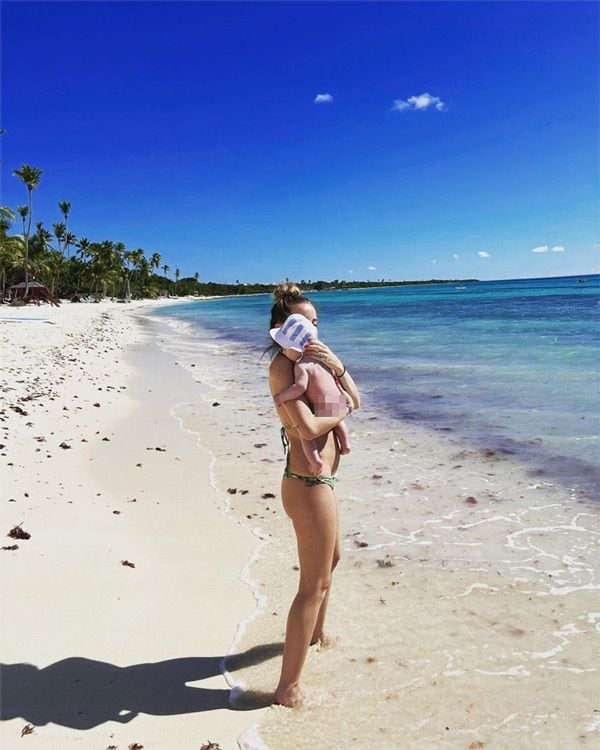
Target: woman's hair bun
x=287 y=291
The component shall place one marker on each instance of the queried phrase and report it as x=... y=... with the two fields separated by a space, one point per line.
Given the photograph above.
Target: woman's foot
x=290 y=696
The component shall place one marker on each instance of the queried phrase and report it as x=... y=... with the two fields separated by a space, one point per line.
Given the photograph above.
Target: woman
x=309 y=501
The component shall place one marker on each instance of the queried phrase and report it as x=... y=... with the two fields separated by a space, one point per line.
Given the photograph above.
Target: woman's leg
x=314 y=515
x=319 y=631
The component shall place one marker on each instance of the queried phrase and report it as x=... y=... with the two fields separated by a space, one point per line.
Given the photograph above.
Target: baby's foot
x=344 y=450
x=316 y=466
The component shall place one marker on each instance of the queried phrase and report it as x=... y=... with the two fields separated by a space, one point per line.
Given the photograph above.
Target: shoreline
x=131 y=565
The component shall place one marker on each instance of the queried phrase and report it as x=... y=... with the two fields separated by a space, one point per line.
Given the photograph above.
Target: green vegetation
x=108 y=268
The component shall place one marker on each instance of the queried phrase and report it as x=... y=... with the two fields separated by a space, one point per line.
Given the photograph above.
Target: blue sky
x=450 y=141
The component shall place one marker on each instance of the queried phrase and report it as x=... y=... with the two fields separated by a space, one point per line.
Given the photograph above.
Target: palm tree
x=39 y=245
x=166 y=270
x=65 y=207
x=55 y=264
x=83 y=244
x=59 y=233
x=196 y=277
x=23 y=212
x=128 y=260
x=139 y=260
x=11 y=248
x=155 y=260
x=30 y=177
x=177 y=275
x=7 y=215
x=70 y=239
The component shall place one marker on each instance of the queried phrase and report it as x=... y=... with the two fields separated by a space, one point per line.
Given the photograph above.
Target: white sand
x=91 y=643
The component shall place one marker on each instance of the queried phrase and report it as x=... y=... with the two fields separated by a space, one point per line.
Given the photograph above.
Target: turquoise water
x=510 y=365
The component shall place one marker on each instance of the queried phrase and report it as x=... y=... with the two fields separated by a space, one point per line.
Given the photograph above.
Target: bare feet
x=295 y=696
x=290 y=696
x=344 y=451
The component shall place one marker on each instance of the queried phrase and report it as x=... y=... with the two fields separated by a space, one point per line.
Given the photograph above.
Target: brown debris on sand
x=65 y=446
x=18 y=533
x=127 y=563
x=11 y=546
x=27 y=729
x=208 y=745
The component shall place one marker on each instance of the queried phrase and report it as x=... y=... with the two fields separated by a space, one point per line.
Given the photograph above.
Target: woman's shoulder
x=280 y=368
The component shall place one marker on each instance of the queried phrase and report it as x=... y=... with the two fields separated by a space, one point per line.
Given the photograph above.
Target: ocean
x=513 y=365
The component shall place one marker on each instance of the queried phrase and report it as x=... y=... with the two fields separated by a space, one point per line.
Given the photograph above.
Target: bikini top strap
x=285 y=441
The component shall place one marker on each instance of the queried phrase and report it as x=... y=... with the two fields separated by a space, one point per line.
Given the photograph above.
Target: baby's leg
x=343 y=436
x=312 y=454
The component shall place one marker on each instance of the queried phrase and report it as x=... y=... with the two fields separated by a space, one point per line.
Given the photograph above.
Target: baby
x=312 y=378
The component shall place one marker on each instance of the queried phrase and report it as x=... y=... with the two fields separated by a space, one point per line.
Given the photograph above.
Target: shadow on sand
x=82 y=693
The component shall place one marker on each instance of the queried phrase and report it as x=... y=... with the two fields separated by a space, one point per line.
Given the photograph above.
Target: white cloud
x=351 y=270
x=420 y=102
x=546 y=249
x=434 y=261
x=323 y=98
x=371 y=268
x=456 y=256
x=483 y=254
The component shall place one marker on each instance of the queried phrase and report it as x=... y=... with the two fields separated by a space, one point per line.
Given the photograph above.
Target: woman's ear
x=277 y=325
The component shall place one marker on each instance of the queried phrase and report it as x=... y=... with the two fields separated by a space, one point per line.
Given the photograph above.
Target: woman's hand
x=323 y=353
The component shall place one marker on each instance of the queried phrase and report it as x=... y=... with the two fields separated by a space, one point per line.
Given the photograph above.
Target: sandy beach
x=120 y=605
x=144 y=460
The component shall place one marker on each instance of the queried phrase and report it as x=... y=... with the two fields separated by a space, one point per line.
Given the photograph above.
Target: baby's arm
x=295 y=390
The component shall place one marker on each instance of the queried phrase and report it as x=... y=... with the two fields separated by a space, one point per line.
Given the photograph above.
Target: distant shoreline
x=212 y=290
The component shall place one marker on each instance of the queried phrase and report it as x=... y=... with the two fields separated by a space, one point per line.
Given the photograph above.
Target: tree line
x=75 y=267
x=72 y=266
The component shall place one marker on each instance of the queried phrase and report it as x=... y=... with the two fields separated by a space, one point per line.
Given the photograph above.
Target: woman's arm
x=298 y=412
x=315 y=349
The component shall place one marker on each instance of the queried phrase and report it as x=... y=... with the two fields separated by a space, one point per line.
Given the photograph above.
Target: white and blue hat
x=294 y=333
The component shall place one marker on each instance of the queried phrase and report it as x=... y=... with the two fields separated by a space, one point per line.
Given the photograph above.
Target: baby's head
x=293 y=335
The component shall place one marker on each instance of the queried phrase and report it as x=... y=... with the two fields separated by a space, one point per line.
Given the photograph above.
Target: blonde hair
x=286 y=295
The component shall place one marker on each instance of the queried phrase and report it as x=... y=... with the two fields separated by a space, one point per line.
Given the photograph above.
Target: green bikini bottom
x=310 y=481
